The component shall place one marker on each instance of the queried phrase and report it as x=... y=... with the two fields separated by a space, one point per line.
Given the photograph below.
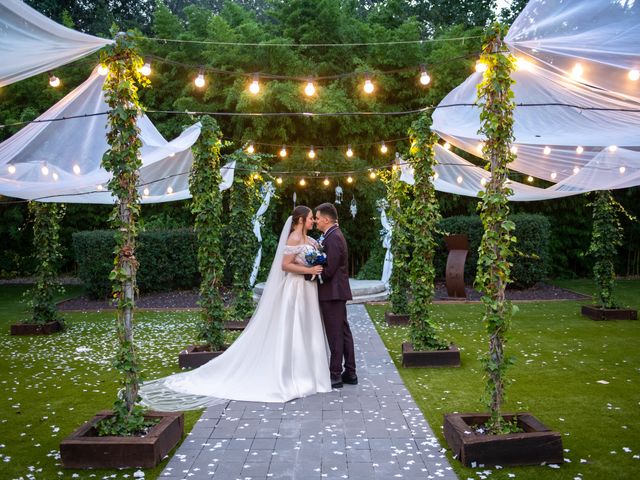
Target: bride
x=282 y=353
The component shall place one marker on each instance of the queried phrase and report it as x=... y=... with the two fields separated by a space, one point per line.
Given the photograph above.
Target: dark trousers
x=334 y=316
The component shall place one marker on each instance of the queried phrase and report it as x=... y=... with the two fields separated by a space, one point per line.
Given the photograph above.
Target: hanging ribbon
x=267 y=192
x=386 y=234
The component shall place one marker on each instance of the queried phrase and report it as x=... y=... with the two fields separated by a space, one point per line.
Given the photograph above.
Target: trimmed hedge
x=532 y=231
x=168 y=260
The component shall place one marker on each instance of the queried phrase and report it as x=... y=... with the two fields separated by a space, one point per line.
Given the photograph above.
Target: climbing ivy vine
x=424 y=215
x=495 y=97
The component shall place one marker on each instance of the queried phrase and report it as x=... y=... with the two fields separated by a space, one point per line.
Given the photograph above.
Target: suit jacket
x=336 y=272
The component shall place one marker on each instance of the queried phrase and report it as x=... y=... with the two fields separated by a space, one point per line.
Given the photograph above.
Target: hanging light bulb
x=546 y=151
x=622 y=169
x=12 y=169
x=283 y=151
x=200 y=81
x=303 y=182
x=577 y=71
x=459 y=179
x=579 y=150
x=634 y=75
x=447 y=146
x=254 y=88
x=613 y=148
x=256 y=176
x=481 y=66
x=146 y=68
x=424 y=76
x=553 y=175
x=349 y=179
x=279 y=180
x=55 y=176
x=54 y=81
x=250 y=149
x=529 y=179
x=435 y=176
x=76 y=169
x=312 y=153
x=368 y=85
x=514 y=149
x=326 y=182
x=44 y=170
x=103 y=70
x=99 y=187
x=145 y=192
x=483 y=181
x=310 y=89
x=383 y=148
x=372 y=175
x=349 y=151
x=576 y=170
x=523 y=64
x=394 y=167
x=169 y=190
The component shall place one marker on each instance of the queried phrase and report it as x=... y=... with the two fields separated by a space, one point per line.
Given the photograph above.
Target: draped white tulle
x=281 y=355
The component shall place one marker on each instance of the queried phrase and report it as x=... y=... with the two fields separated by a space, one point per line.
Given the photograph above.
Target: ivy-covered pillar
x=206 y=206
x=46 y=219
x=122 y=160
x=424 y=215
x=495 y=97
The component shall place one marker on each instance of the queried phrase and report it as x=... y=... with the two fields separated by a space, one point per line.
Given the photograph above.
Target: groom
x=333 y=294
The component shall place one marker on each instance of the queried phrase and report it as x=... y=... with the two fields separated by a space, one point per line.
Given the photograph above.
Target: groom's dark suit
x=333 y=295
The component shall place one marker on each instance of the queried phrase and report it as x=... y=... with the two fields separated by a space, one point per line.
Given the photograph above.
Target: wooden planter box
x=35 y=328
x=195 y=356
x=236 y=325
x=599 y=313
x=84 y=449
x=395 y=319
x=535 y=445
x=430 y=358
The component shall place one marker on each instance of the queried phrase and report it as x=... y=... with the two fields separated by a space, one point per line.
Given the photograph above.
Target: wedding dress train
x=281 y=355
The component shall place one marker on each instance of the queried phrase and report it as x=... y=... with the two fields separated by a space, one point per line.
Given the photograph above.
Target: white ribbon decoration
x=387 y=267
x=268 y=191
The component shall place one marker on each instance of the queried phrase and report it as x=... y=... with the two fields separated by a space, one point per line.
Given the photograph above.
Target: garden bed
x=35 y=328
x=599 y=313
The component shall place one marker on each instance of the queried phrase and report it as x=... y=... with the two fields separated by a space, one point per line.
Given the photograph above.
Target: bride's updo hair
x=299 y=212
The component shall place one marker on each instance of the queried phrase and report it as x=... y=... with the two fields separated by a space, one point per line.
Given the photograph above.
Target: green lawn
x=50 y=385
x=579 y=377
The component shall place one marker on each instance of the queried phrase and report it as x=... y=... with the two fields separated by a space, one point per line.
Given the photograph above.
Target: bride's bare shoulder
x=294 y=239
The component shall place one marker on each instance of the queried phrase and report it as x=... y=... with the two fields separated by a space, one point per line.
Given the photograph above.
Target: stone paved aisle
x=370 y=431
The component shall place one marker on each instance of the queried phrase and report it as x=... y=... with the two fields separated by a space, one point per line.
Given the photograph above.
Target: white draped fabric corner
x=31 y=43
x=267 y=192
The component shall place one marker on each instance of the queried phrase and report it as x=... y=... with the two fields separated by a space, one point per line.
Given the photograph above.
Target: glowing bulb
x=349 y=179
x=312 y=153
x=372 y=175
x=459 y=179
x=579 y=150
x=250 y=149
x=577 y=71
x=103 y=70
x=254 y=88
x=76 y=169
x=553 y=175
x=383 y=148
x=145 y=69
x=326 y=182
x=447 y=146
x=576 y=170
x=256 y=176
x=55 y=176
x=529 y=179
x=145 y=192
x=394 y=167
x=425 y=79
x=483 y=181
x=279 y=180
x=349 y=152
x=200 y=81
x=368 y=86
x=435 y=176
x=99 y=187
x=283 y=151
x=514 y=149
x=622 y=169
x=613 y=148
x=546 y=150
x=479 y=147
x=481 y=67
x=522 y=64
x=12 y=169
x=303 y=182
x=44 y=170
x=310 y=89
x=54 y=81
x=634 y=75
x=169 y=190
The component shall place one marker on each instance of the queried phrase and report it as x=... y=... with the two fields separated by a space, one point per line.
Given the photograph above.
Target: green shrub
x=168 y=260
x=372 y=269
x=532 y=232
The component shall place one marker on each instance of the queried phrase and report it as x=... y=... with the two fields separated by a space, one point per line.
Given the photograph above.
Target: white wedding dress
x=281 y=355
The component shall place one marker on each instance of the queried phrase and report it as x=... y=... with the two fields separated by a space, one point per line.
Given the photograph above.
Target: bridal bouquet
x=316 y=257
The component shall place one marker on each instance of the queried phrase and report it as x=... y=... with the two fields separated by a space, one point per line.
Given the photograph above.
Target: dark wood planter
x=35 y=328
x=599 y=313
x=535 y=445
x=84 y=449
x=236 y=325
x=396 y=319
x=195 y=356
x=430 y=358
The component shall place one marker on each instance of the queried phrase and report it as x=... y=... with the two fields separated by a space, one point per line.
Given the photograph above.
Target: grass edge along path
x=579 y=377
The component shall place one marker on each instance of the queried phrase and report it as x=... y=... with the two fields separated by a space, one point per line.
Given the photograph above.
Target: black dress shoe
x=349 y=379
x=336 y=383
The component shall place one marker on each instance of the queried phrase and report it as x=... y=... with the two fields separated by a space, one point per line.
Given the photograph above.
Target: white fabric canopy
x=60 y=161
x=31 y=43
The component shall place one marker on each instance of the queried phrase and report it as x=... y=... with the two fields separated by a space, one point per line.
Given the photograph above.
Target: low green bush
x=529 y=267
x=168 y=260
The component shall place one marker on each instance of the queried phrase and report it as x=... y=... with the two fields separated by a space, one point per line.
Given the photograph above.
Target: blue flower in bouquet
x=316 y=257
